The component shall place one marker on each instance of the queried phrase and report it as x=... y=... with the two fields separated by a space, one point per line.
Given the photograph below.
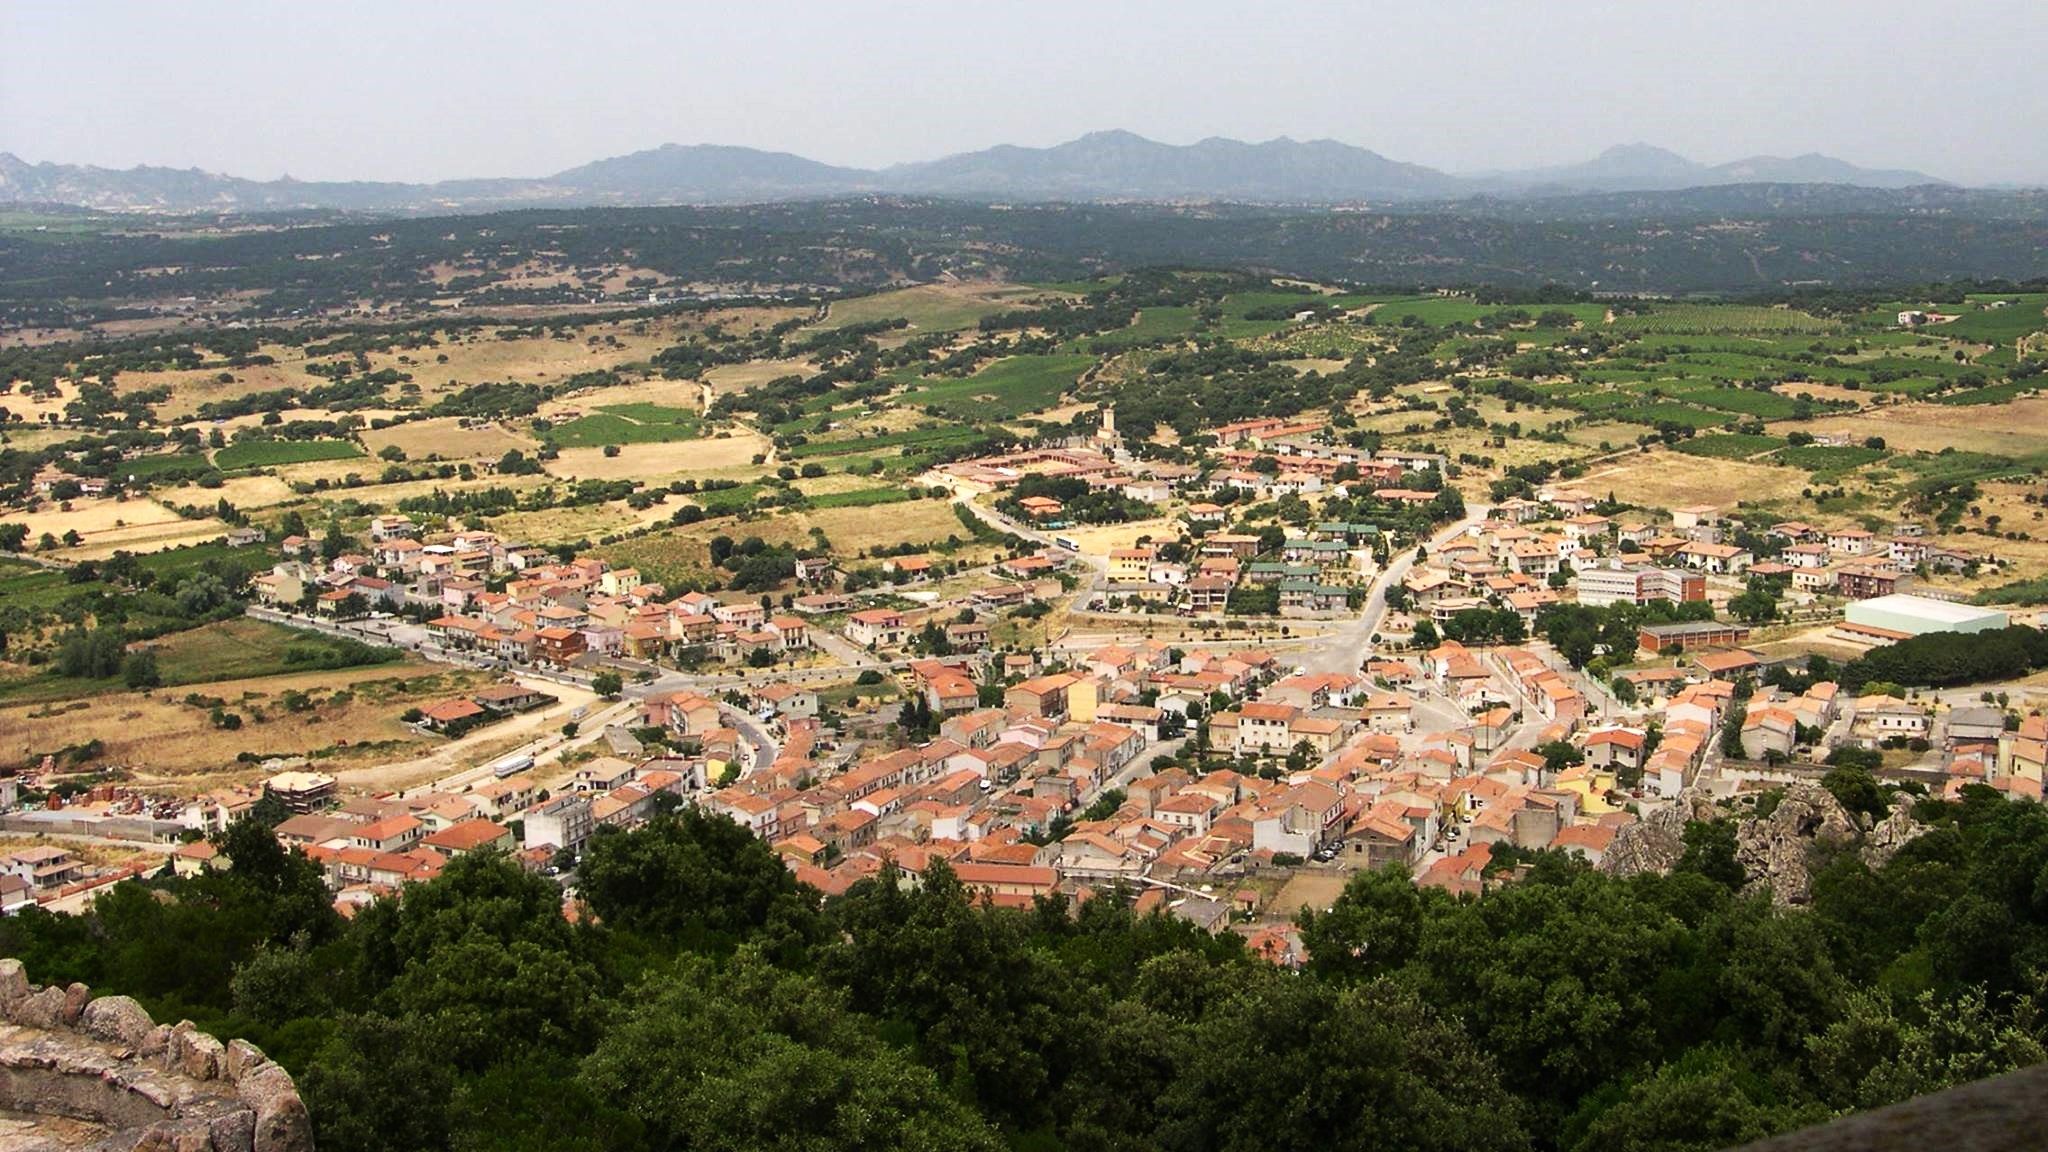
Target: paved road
x=845 y=651
x=547 y=748
x=1344 y=650
x=1097 y=567
x=397 y=632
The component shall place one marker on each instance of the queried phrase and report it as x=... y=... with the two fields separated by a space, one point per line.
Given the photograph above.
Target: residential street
x=1345 y=649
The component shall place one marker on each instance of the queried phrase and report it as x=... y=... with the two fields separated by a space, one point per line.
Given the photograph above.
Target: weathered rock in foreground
x=80 y=1074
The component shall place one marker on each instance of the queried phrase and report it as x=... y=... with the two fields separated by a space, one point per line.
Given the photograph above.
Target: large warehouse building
x=1919 y=615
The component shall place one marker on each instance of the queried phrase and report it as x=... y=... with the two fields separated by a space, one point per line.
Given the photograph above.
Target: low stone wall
x=118 y=1080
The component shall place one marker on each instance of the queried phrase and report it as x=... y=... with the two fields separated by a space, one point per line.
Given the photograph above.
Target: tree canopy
x=701 y=997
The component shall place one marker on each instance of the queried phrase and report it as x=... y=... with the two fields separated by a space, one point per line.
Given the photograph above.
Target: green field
x=1999 y=325
x=147 y=467
x=727 y=501
x=859 y=498
x=1826 y=458
x=1446 y=311
x=1006 y=389
x=911 y=437
x=1153 y=324
x=1730 y=446
x=1667 y=412
x=30 y=588
x=271 y=453
x=1747 y=401
x=627 y=424
x=1990 y=394
x=1716 y=319
x=239 y=649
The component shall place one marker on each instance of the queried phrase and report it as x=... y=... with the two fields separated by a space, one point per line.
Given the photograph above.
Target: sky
x=381 y=90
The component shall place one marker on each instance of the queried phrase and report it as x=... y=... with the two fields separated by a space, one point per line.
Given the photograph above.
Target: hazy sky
x=429 y=90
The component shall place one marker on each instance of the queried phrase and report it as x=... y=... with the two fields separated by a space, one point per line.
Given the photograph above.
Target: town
x=650 y=578
x=1426 y=685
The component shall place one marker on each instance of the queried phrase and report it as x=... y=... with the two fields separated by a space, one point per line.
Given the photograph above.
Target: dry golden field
x=192 y=387
x=934 y=307
x=685 y=394
x=248 y=492
x=161 y=739
x=2019 y=428
x=1665 y=479
x=108 y=526
x=444 y=436
x=1098 y=540
x=709 y=457
x=332 y=471
x=555 y=525
x=852 y=532
x=29 y=408
x=740 y=377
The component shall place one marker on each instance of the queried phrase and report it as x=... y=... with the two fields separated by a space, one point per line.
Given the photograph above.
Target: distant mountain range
x=1098 y=166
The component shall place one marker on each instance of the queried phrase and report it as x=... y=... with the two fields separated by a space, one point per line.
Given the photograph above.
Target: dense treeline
x=1671 y=244
x=1946 y=659
x=705 y=1000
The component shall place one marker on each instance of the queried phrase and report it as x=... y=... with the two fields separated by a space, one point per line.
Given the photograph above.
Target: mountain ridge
x=1111 y=164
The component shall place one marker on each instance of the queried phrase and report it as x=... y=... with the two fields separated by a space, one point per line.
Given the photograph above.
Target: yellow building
x=1591 y=786
x=1082 y=697
x=1130 y=565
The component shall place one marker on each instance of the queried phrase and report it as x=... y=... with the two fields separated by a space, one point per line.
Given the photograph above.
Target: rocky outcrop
x=1890 y=834
x=90 y=1074
x=1655 y=844
x=1775 y=838
x=1775 y=850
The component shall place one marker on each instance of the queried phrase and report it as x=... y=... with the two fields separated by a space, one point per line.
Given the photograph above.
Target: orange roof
x=467 y=836
x=387 y=829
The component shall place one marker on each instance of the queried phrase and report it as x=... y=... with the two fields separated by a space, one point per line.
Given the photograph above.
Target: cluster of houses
x=546 y=611
x=1317 y=571
x=522 y=606
x=37 y=872
x=1299 y=767
x=459 y=713
x=372 y=846
x=1530 y=554
x=1858 y=564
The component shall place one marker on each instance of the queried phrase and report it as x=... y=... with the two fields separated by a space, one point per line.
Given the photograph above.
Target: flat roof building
x=1690 y=636
x=1919 y=615
x=302 y=792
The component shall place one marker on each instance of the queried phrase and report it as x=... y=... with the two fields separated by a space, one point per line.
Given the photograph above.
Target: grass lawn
x=839 y=695
x=239 y=649
x=1152 y=324
x=270 y=453
x=860 y=498
x=627 y=424
x=921 y=437
x=1007 y=389
x=1716 y=319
